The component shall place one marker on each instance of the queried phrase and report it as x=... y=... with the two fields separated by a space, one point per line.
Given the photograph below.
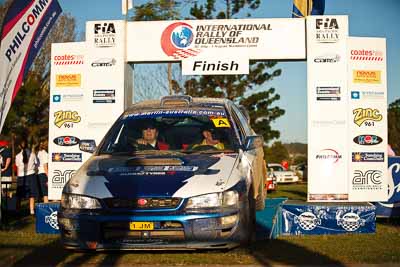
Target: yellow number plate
x=141 y=226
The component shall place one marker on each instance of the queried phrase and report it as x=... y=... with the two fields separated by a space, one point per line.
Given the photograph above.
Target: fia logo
x=326 y=24
x=104 y=28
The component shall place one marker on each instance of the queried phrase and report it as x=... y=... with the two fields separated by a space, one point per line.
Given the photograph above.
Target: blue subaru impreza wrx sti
x=180 y=173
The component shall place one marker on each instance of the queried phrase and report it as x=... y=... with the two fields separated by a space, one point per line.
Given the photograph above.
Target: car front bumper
x=88 y=230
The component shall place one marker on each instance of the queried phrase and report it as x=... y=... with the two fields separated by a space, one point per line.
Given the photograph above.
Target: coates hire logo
x=68 y=59
x=366 y=55
x=367 y=140
x=328 y=154
x=176 y=40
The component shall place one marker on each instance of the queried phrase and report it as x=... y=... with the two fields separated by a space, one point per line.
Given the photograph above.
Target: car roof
x=174 y=102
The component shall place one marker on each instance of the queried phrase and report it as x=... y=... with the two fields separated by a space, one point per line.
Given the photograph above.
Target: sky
x=367 y=18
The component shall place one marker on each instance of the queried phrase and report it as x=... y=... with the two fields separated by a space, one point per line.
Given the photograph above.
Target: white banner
x=66 y=114
x=367 y=119
x=177 y=40
x=327 y=108
x=216 y=64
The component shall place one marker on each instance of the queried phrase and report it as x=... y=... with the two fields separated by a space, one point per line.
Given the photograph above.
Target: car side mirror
x=88 y=145
x=253 y=142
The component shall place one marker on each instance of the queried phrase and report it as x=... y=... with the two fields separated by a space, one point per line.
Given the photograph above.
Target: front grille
x=143 y=203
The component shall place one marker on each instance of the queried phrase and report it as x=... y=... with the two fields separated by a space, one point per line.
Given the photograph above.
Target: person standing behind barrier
x=42 y=157
x=6 y=172
x=27 y=185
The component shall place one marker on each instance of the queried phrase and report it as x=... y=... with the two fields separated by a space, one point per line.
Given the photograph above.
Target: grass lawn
x=20 y=246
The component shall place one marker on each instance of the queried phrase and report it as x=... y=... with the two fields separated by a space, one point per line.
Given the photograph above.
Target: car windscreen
x=183 y=130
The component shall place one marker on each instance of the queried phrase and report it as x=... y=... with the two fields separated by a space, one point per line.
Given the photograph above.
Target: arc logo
x=367 y=140
x=364 y=115
x=176 y=40
x=61 y=177
x=62 y=117
x=66 y=140
x=367 y=177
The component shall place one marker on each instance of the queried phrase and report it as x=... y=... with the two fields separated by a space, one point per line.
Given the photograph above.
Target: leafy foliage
x=276 y=153
x=156 y=10
x=394 y=125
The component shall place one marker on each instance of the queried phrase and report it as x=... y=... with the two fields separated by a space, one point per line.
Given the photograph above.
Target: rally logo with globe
x=176 y=41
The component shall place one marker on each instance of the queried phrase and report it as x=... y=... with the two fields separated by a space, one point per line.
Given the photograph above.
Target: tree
x=29 y=114
x=394 y=125
x=276 y=153
x=240 y=88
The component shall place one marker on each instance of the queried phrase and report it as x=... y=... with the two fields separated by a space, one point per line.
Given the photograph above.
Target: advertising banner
x=299 y=219
x=176 y=40
x=109 y=89
x=66 y=114
x=367 y=119
x=391 y=208
x=327 y=108
x=46 y=218
x=25 y=27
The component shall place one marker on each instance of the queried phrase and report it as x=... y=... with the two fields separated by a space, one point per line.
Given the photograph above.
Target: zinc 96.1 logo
x=176 y=40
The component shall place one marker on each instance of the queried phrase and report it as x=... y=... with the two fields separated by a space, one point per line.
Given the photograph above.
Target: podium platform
x=302 y=218
x=46 y=218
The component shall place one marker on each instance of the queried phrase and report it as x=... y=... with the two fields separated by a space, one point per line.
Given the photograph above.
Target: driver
x=210 y=139
x=149 y=138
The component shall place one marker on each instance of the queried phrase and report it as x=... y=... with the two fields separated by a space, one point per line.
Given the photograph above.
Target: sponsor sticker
x=328 y=154
x=68 y=80
x=366 y=116
x=72 y=97
x=104 y=34
x=66 y=118
x=327 y=58
x=66 y=140
x=327 y=30
x=368 y=180
x=367 y=76
x=68 y=59
x=60 y=178
x=66 y=157
x=367 y=140
x=355 y=94
x=56 y=98
x=221 y=122
x=366 y=55
x=367 y=156
x=104 y=96
x=104 y=62
x=177 y=112
x=328 y=93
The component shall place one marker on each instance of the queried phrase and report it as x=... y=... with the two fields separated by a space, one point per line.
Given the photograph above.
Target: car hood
x=182 y=176
x=284 y=173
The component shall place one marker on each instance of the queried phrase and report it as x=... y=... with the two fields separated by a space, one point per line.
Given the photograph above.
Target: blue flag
x=303 y=8
x=24 y=29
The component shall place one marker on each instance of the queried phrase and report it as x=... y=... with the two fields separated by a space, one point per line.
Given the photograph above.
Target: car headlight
x=214 y=200
x=71 y=201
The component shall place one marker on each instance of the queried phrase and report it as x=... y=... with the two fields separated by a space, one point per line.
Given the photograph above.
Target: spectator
x=42 y=163
x=6 y=165
x=391 y=152
x=27 y=185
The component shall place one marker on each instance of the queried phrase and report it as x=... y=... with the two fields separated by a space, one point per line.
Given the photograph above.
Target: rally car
x=184 y=194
